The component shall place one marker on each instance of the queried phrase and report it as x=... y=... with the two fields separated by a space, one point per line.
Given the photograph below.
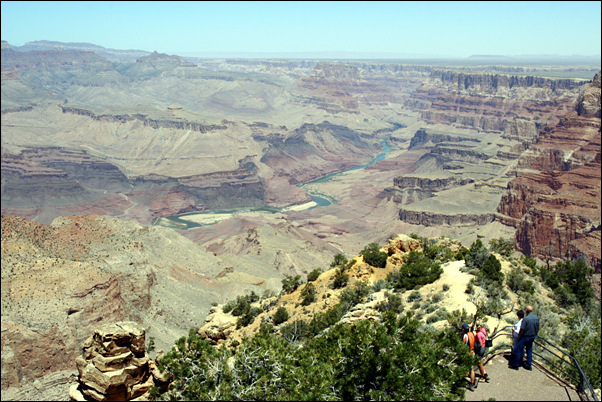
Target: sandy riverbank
x=204 y=218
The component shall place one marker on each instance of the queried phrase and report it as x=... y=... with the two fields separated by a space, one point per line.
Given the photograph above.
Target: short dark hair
x=520 y=313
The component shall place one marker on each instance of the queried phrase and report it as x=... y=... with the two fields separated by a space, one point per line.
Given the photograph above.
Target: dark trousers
x=525 y=342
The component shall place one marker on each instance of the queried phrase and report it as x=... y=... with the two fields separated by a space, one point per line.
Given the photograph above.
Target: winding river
x=180 y=221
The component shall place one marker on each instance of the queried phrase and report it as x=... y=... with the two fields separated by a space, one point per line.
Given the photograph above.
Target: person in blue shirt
x=524 y=342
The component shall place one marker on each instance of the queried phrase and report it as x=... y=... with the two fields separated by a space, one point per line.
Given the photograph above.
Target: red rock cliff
x=554 y=203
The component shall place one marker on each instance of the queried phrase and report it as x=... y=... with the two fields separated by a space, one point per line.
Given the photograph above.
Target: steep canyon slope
x=60 y=281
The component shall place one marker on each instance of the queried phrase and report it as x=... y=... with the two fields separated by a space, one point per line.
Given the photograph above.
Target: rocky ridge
x=222 y=328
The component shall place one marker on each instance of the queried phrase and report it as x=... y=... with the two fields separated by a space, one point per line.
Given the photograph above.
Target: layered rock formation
x=61 y=282
x=142 y=167
x=114 y=365
x=325 y=147
x=46 y=182
x=477 y=126
x=490 y=102
x=554 y=203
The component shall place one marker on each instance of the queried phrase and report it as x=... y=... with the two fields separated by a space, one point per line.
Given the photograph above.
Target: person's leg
x=529 y=351
x=482 y=371
x=472 y=379
x=517 y=354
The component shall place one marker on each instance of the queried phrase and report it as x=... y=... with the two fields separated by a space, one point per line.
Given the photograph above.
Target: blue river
x=181 y=222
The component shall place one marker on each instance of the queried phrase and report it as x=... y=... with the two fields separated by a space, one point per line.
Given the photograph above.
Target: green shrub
x=392 y=303
x=295 y=330
x=355 y=294
x=339 y=259
x=575 y=276
x=438 y=252
x=470 y=286
x=583 y=337
x=379 y=285
x=339 y=279
x=241 y=304
x=417 y=271
x=516 y=280
x=326 y=319
x=461 y=254
x=431 y=308
x=291 y=283
x=373 y=256
x=477 y=255
x=248 y=317
x=414 y=296
x=439 y=315
x=281 y=315
x=308 y=293
x=456 y=318
x=502 y=246
x=570 y=282
x=313 y=275
x=390 y=362
x=492 y=270
x=529 y=262
x=437 y=297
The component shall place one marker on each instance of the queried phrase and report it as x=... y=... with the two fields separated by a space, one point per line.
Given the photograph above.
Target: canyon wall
x=554 y=203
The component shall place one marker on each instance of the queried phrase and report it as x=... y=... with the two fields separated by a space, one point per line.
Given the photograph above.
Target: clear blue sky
x=456 y=29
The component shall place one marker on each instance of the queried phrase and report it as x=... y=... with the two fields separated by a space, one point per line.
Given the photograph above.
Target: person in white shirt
x=516 y=328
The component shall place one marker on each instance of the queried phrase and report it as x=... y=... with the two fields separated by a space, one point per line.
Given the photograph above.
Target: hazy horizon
x=356 y=29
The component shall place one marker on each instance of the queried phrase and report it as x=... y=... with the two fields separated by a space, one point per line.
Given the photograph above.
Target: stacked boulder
x=114 y=365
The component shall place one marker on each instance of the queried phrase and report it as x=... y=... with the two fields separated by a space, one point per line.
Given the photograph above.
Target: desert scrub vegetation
x=418 y=270
x=364 y=360
x=373 y=256
x=570 y=283
x=517 y=281
x=308 y=293
x=313 y=275
x=291 y=283
x=281 y=315
x=339 y=259
x=504 y=247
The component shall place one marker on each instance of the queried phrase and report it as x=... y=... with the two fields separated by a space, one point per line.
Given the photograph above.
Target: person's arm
x=520 y=334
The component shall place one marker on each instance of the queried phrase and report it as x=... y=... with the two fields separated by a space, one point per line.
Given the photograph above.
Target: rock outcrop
x=218 y=326
x=114 y=365
x=496 y=83
x=438 y=219
x=177 y=124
